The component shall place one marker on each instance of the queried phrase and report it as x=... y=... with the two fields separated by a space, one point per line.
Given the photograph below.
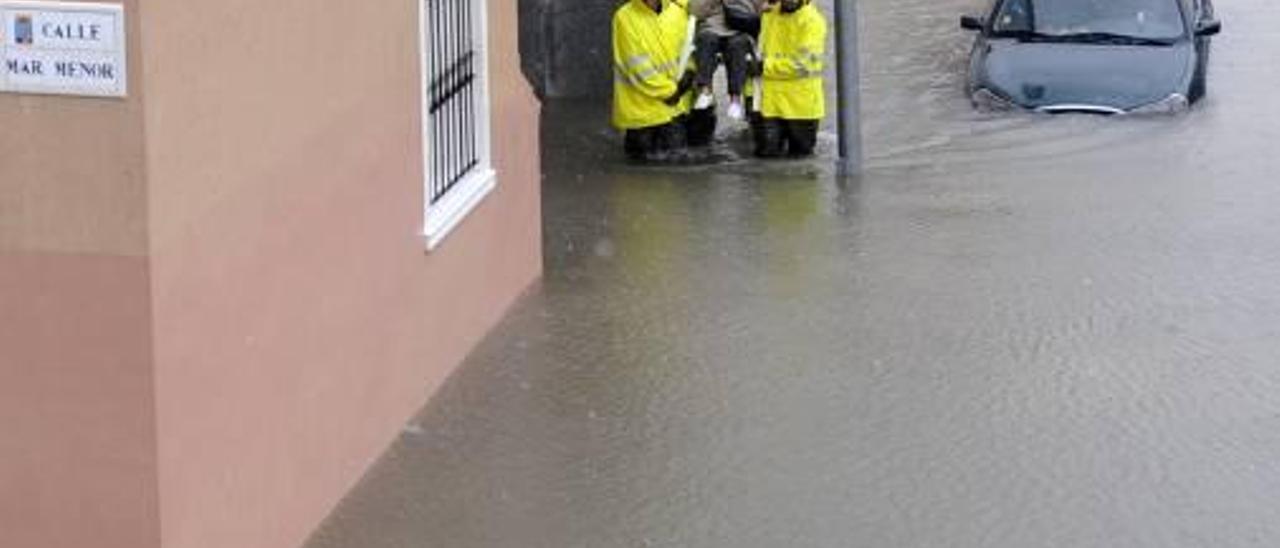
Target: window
x=459 y=173
x=1145 y=19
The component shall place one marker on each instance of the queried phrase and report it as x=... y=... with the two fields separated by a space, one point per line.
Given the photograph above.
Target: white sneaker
x=705 y=100
x=736 y=111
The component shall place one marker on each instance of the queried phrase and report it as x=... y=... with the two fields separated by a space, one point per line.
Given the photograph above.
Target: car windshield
x=1158 y=20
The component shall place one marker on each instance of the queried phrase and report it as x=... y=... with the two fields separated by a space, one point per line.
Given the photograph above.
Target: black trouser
x=734 y=49
x=655 y=142
x=777 y=137
x=700 y=127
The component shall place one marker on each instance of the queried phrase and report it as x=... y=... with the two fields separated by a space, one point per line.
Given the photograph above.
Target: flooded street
x=1014 y=331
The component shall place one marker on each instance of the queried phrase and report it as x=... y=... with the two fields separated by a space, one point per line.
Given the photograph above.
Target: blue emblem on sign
x=23 y=34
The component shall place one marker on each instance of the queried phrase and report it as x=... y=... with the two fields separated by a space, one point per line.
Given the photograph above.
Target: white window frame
x=449 y=211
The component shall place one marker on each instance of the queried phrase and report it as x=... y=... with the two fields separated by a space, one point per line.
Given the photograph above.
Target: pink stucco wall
x=265 y=315
x=77 y=456
x=299 y=319
x=78 y=447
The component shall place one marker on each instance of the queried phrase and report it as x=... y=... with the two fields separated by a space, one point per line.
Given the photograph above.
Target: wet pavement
x=1013 y=331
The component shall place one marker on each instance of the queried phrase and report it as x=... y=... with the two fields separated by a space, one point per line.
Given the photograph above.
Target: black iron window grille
x=453 y=106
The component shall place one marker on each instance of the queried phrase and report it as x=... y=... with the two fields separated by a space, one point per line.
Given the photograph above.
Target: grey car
x=1095 y=56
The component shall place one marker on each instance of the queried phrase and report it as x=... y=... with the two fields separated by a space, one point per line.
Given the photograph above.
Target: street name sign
x=62 y=48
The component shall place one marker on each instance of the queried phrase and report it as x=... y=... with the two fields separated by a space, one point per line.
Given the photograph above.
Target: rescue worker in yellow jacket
x=651 y=91
x=793 y=40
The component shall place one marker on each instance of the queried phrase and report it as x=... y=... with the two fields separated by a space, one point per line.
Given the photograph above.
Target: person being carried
x=793 y=40
x=651 y=95
x=726 y=30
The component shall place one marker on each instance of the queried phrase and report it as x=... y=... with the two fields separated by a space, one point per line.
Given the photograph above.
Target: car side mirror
x=969 y=22
x=1209 y=28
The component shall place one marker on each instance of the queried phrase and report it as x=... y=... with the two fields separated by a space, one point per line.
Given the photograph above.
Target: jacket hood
x=1048 y=74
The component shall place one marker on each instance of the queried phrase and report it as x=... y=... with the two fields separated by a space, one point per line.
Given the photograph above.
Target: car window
x=1014 y=16
x=1150 y=19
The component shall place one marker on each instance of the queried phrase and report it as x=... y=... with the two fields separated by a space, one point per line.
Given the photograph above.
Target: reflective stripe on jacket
x=646 y=52
x=793 y=46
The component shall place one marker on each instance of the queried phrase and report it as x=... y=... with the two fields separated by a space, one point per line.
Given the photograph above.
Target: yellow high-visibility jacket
x=646 y=52
x=793 y=47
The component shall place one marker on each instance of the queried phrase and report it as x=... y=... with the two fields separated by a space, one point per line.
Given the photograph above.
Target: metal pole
x=847 y=88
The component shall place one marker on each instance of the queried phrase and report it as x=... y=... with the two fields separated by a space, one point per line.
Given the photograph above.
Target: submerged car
x=1094 y=56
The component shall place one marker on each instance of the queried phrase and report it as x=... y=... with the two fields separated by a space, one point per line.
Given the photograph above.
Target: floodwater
x=1014 y=331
